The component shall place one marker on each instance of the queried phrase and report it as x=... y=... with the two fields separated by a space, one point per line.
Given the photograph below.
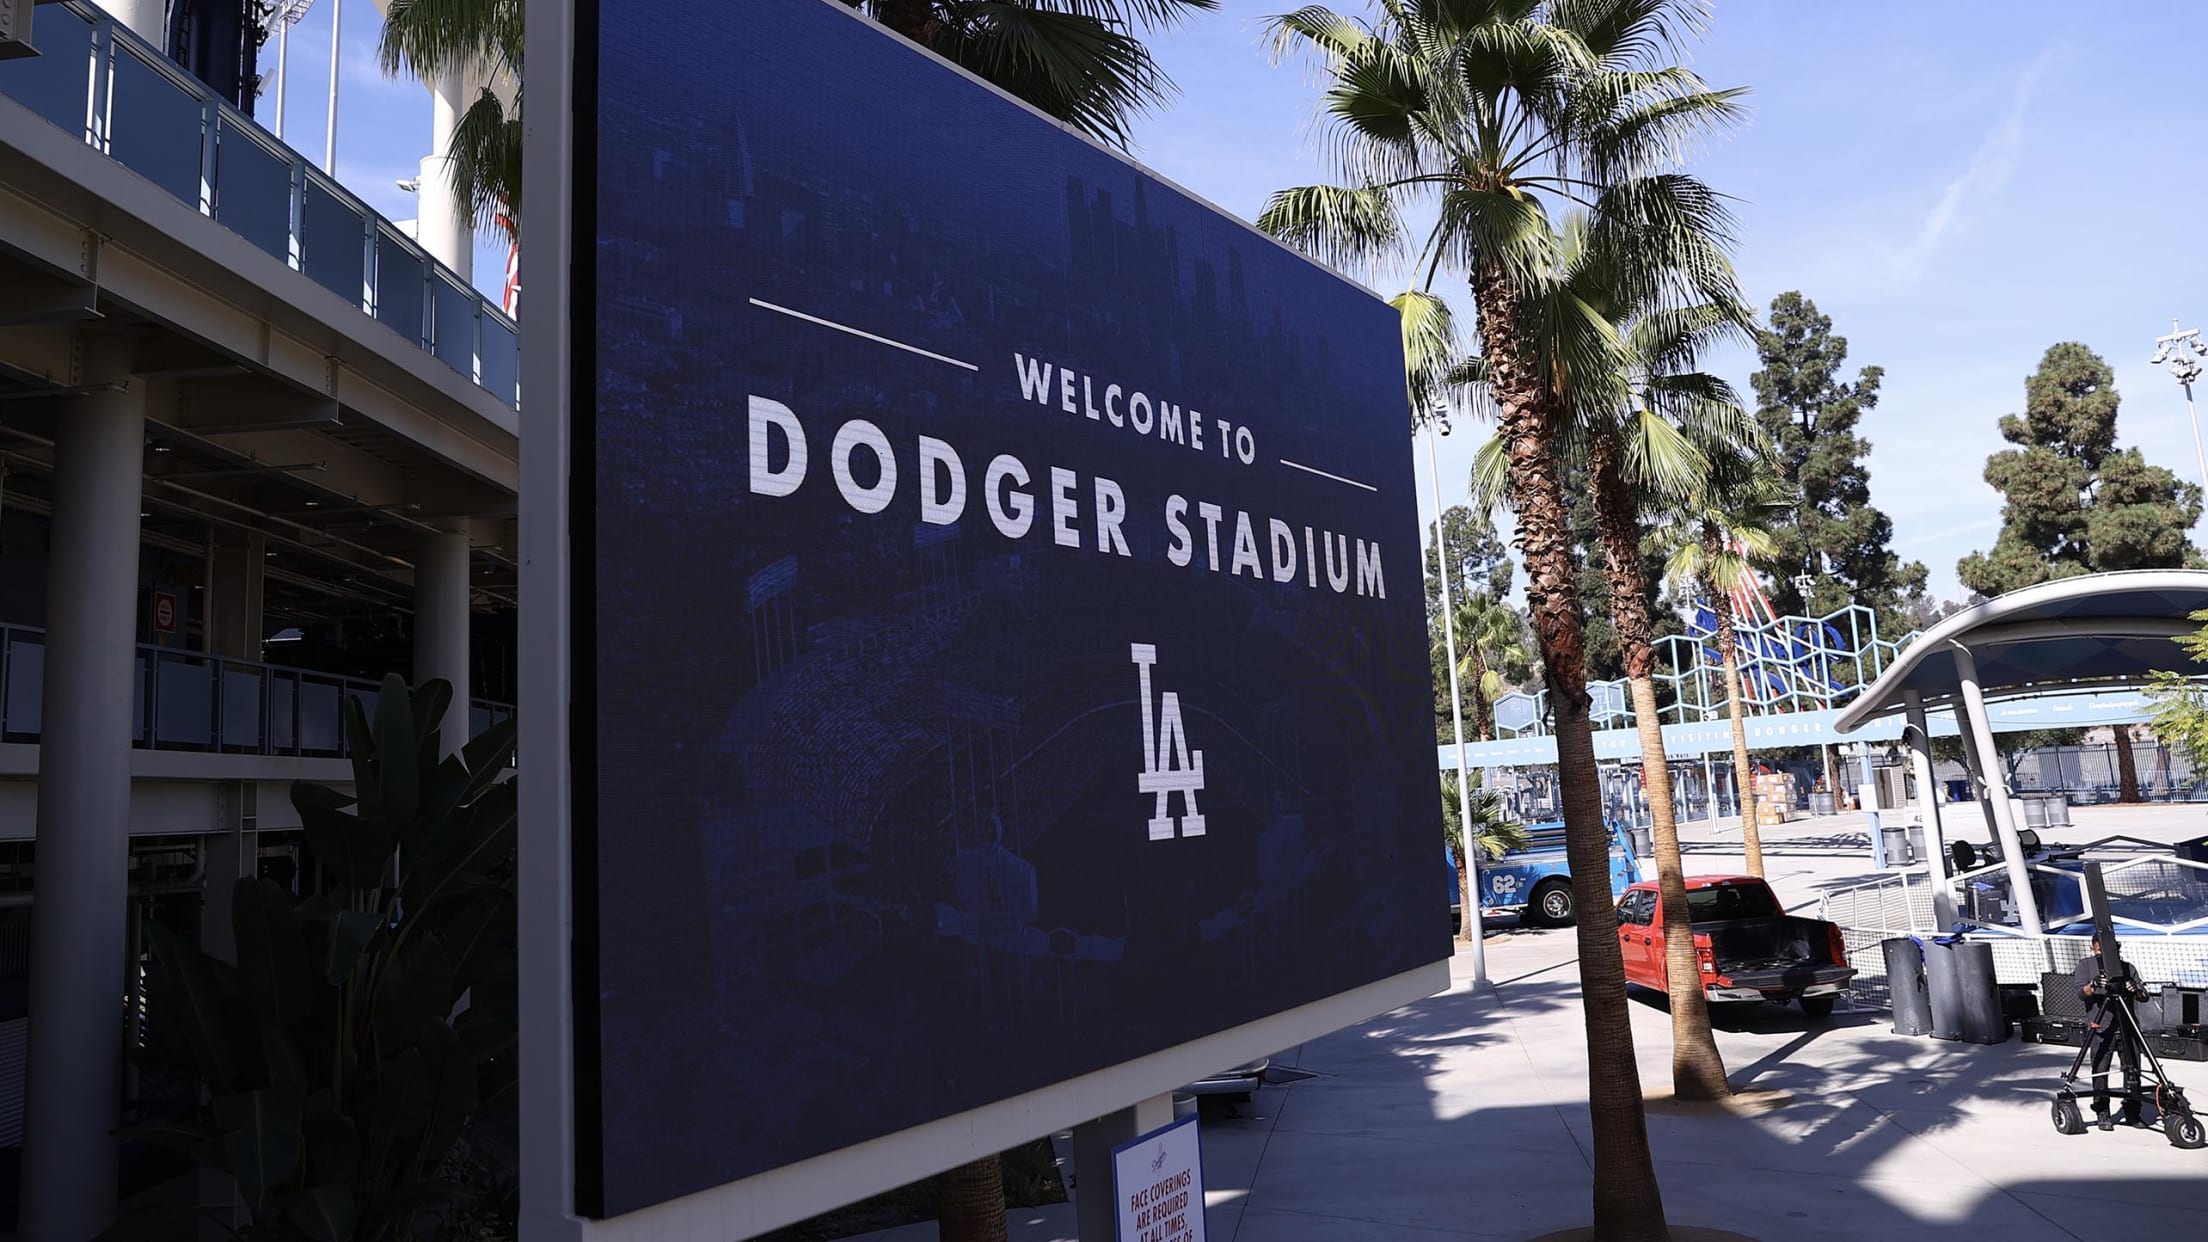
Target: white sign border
x=792 y=1192
x=1119 y=1193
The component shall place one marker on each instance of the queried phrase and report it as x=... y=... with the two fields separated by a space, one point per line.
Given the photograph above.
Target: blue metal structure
x=1787 y=664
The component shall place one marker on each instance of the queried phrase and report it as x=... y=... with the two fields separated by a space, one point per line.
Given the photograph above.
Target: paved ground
x=1464 y=1116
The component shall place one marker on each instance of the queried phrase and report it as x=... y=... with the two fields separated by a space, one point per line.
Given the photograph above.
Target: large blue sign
x=1002 y=650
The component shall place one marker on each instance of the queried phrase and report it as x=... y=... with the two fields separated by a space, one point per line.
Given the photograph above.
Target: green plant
x=341 y=1091
x=2181 y=703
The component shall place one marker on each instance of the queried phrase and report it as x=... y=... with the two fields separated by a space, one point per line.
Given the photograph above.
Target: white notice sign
x=1159 y=1179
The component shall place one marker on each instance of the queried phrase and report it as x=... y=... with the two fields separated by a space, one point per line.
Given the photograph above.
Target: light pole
x=329 y=137
x=2181 y=352
x=1469 y=900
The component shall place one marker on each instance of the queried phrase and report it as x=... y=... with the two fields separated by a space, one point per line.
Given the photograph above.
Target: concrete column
x=78 y=923
x=1995 y=788
x=148 y=19
x=1919 y=739
x=237 y=566
x=443 y=224
x=1095 y=1207
x=441 y=624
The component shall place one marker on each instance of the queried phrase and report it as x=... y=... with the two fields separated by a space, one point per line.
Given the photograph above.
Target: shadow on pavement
x=1465 y=1116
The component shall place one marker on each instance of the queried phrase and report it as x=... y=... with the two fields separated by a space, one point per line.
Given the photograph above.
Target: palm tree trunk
x=1483 y=712
x=1697 y=1068
x=2127 y=766
x=1744 y=783
x=1465 y=892
x=1628 y=1203
x=970 y=1203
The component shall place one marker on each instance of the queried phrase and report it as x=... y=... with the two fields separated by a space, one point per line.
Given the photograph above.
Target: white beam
x=1919 y=739
x=1995 y=787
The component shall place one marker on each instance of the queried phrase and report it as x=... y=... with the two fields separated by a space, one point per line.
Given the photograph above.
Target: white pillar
x=442 y=221
x=1468 y=902
x=441 y=624
x=234 y=592
x=1979 y=735
x=148 y=19
x=75 y=1048
x=1928 y=801
x=1095 y=1201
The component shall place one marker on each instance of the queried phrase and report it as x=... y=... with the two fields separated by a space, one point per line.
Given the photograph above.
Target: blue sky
x=1957 y=186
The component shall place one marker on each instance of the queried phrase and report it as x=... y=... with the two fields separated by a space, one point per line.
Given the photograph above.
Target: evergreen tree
x=2074 y=502
x=1837 y=538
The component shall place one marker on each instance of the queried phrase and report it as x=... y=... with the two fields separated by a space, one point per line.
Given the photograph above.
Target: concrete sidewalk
x=1465 y=1116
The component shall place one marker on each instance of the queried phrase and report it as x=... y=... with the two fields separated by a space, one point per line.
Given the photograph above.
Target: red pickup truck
x=1749 y=947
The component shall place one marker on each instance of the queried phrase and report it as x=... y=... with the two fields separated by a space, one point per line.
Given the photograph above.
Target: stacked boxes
x=1774 y=798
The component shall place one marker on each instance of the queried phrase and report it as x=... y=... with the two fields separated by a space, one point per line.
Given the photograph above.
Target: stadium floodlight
x=2181 y=351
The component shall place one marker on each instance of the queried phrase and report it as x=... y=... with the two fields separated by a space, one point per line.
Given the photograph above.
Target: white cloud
x=1987 y=175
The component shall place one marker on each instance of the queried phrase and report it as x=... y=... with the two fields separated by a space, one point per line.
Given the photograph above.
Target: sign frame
x=1119 y=1192
x=555 y=714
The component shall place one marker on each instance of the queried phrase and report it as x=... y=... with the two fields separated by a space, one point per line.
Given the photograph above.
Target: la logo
x=1168 y=766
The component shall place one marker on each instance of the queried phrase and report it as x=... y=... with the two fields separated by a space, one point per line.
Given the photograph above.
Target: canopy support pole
x=1994 y=788
x=1928 y=803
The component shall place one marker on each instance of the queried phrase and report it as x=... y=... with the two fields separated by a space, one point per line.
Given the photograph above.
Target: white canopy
x=2098 y=631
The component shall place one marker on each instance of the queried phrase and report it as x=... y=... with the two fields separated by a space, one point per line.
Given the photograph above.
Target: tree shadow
x=1468 y=1113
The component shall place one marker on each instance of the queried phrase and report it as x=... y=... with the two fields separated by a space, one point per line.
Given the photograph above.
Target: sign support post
x=1095 y=1206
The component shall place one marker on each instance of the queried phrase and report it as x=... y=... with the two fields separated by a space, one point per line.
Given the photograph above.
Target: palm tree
x=1653 y=288
x=480 y=42
x=1716 y=536
x=1493 y=833
x=1490 y=638
x=1485 y=112
x=1081 y=61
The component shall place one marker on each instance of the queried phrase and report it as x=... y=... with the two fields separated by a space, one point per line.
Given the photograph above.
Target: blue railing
x=189 y=700
x=97 y=80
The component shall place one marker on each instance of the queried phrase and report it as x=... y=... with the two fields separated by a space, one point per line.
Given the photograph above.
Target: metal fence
x=2088 y=774
x=189 y=700
x=117 y=93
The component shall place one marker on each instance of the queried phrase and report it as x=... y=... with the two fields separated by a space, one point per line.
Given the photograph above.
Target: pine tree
x=2074 y=502
x=1838 y=538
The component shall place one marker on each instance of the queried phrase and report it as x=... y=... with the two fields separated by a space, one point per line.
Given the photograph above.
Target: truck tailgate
x=1783 y=945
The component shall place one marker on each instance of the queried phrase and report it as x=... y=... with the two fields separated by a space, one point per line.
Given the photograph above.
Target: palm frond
x=1353 y=229
x=1094 y=75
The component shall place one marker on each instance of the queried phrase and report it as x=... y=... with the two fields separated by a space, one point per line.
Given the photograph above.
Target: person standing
x=2113 y=1034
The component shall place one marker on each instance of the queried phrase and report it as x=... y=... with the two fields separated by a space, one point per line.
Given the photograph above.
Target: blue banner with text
x=1008 y=647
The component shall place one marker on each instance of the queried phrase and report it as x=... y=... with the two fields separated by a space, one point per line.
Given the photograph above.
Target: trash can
x=1905 y=979
x=1958 y=791
x=1894 y=840
x=1966 y=1002
x=1644 y=841
x=1916 y=843
x=1184 y=1105
x=1820 y=804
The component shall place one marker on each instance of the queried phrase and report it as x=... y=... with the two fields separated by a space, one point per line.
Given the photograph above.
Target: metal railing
x=192 y=701
x=97 y=80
